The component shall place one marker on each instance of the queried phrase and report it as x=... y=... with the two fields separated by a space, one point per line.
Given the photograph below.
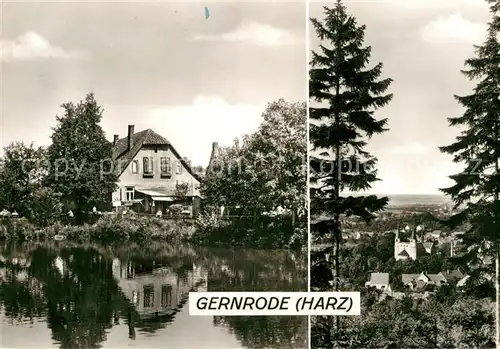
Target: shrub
x=175 y=210
x=45 y=207
x=264 y=232
x=298 y=238
x=209 y=225
x=108 y=229
x=17 y=229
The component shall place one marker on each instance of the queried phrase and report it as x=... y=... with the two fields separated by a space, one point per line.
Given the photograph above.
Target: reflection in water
x=72 y=296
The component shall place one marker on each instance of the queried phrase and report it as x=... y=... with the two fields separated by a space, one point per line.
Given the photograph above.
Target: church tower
x=412 y=246
x=398 y=246
x=396 y=243
x=404 y=250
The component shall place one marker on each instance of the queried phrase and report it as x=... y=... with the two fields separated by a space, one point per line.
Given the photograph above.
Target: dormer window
x=135 y=166
x=147 y=166
x=165 y=167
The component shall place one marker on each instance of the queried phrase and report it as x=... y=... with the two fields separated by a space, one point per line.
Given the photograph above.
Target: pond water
x=73 y=296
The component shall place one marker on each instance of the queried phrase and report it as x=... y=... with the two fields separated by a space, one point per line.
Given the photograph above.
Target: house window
x=147 y=163
x=166 y=167
x=179 y=167
x=129 y=194
x=135 y=298
x=130 y=270
x=135 y=166
x=149 y=296
x=166 y=296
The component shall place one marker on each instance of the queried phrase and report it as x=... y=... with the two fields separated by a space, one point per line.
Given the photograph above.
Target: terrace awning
x=156 y=195
x=162 y=198
x=151 y=192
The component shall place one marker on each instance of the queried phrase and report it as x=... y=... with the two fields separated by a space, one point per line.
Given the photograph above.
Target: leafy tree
x=468 y=322
x=21 y=175
x=181 y=190
x=222 y=185
x=199 y=170
x=45 y=206
x=80 y=158
x=477 y=187
x=278 y=151
x=409 y=323
x=339 y=77
x=265 y=171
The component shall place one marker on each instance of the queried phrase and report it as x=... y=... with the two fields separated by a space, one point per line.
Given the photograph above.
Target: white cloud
x=253 y=32
x=439 y=173
x=438 y=4
x=410 y=148
x=31 y=46
x=192 y=128
x=453 y=28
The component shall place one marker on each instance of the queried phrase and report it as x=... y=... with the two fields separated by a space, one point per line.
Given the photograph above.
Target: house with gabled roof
x=380 y=281
x=419 y=281
x=160 y=292
x=453 y=275
x=408 y=279
x=437 y=279
x=152 y=175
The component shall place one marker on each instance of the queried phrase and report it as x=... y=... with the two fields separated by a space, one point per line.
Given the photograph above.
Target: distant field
x=396 y=200
x=408 y=200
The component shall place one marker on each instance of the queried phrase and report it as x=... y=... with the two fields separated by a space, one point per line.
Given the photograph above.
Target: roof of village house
x=423 y=275
x=453 y=274
x=436 y=278
x=379 y=279
x=139 y=139
x=407 y=278
x=403 y=254
x=419 y=284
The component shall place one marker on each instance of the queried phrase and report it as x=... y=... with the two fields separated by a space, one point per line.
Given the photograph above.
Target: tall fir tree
x=346 y=93
x=81 y=169
x=477 y=187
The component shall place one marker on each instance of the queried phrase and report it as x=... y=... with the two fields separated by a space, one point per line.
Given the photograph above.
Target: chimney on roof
x=129 y=137
x=215 y=147
x=115 y=139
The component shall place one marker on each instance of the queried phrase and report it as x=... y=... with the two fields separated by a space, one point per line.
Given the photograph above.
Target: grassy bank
x=107 y=229
x=207 y=230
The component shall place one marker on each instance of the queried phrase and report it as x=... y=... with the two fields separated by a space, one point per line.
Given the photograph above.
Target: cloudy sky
x=423 y=45
x=155 y=65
